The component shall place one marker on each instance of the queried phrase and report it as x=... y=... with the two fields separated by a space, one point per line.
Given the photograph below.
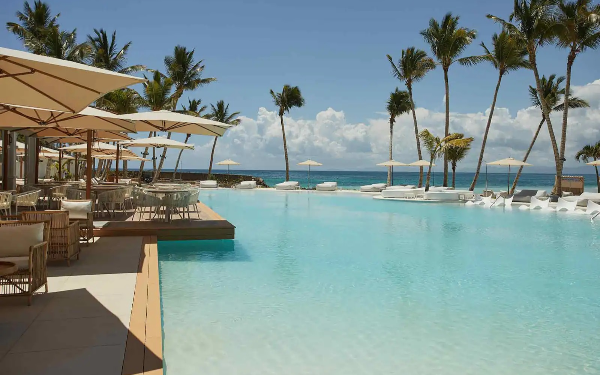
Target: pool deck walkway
x=101 y=315
x=206 y=225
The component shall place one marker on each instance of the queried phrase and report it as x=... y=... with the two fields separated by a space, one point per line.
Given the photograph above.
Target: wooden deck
x=207 y=225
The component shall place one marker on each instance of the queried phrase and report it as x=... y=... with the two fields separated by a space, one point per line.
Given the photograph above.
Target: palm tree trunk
x=485 y=134
x=453 y=174
x=212 y=155
x=285 y=153
x=125 y=169
x=414 y=114
x=447 y=125
x=546 y=111
x=187 y=136
x=162 y=161
x=144 y=154
x=597 y=176
x=428 y=175
x=537 y=132
x=563 y=135
x=389 y=176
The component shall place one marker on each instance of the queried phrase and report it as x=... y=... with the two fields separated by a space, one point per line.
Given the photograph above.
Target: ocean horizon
x=355 y=179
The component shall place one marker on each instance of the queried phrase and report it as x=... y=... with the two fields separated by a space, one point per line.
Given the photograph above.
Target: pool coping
x=144 y=351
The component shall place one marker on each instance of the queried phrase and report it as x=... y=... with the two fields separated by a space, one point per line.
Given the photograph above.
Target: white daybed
x=374 y=188
x=288 y=185
x=403 y=193
x=326 y=186
x=246 y=185
x=208 y=184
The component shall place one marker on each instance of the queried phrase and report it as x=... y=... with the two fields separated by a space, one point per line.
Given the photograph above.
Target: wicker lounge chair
x=5 y=202
x=25 y=244
x=28 y=199
x=83 y=212
x=64 y=236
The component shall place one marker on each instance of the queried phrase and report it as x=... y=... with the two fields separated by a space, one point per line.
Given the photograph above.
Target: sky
x=335 y=51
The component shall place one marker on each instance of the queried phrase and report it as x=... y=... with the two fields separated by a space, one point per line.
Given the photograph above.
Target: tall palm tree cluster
x=41 y=34
x=572 y=25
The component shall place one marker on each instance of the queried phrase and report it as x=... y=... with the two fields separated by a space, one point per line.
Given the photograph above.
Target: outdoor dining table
x=47 y=190
x=168 y=193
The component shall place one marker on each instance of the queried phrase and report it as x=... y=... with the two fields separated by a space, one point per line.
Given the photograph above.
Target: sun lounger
x=401 y=187
x=583 y=199
x=538 y=204
x=502 y=202
x=288 y=185
x=374 y=188
x=327 y=186
x=209 y=184
x=403 y=193
x=248 y=185
x=565 y=205
x=592 y=208
x=524 y=196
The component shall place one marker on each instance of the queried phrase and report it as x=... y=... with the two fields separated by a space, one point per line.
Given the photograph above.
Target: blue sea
x=353 y=180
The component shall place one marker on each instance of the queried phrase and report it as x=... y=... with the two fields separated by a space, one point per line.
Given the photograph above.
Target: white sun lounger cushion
x=288 y=185
x=538 y=203
x=327 y=186
x=565 y=205
x=211 y=184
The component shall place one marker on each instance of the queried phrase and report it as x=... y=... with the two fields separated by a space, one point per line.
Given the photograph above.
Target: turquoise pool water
x=344 y=284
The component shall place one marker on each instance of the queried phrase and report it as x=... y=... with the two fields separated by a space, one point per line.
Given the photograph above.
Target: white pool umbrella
x=159 y=142
x=45 y=82
x=392 y=163
x=595 y=162
x=228 y=163
x=167 y=121
x=509 y=162
x=310 y=163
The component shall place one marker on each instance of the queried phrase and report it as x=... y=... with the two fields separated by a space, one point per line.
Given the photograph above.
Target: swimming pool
x=345 y=284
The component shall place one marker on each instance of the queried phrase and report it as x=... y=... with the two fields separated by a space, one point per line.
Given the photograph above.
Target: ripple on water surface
x=324 y=284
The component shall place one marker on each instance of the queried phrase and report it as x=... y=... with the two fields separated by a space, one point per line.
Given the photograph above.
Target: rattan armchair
x=25 y=248
x=28 y=199
x=5 y=202
x=81 y=210
x=64 y=236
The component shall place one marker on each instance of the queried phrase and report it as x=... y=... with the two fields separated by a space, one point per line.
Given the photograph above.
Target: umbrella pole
x=59 y=162
x=117 y=165
x=508 y=182
x=88 y=166
x=37 y=160
x=309 y=177
x=486 y=180
x=4 y=160
x=76 y=166
x=392 y=176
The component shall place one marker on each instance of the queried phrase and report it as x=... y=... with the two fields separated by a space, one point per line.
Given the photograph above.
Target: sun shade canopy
x=158 y=142
x=167 y=121
x=421 y=163
x=88 y=119
x=311 y=163
x=392 y=163
x=228 y=162
x=509 y=162
x=45 y=82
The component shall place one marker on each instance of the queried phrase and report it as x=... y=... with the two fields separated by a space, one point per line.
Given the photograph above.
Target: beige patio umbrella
x=595 y=162
x=424 y=163
x=45 y=82
x=95 y=149
x=310 y=163
x=509 y=162
x=167 y=121
x=228 y=163
x=159 y=142
x=63 y=135
x=392 y=163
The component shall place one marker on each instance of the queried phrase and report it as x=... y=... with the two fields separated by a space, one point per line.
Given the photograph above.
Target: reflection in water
x=204 y=251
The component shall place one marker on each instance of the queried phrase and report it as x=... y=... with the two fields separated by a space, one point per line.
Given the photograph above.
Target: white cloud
x=339 y=144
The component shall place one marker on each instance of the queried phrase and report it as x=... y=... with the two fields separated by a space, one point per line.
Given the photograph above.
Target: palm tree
x=553 y=94
x=121 y=101
x=587 y=153
x=194 y=108
x=63 y=45
x=288 y=98
x=156 y=96
x=530 y=23
x=412 y=67
x=220 y=113
x=457 y=153
x=186 y=75
x=398 y=104
x=106 y=55
x=577 y=29
x=438 y=146
x=448 y=42
x=508 y=54
x=34 y=24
